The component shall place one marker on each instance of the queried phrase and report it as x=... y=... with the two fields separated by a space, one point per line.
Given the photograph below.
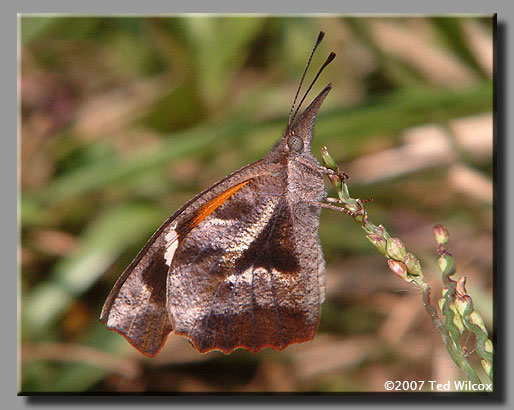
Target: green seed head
x=379 y=242
x=464 y=305
x=488 y=346
x=396 y=249
x=398 y=268
x=413 y=265
x=476 y=319
x=441 y=234
x=443 y=263
x=486 y=365
x=457 y=321
x=328 y=160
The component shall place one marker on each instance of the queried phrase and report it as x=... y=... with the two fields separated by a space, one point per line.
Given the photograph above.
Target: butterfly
x=240 y=265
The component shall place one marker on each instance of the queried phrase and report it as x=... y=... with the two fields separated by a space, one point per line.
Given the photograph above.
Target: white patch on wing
x=171 y=239
x=242 y=241
x=245 y=277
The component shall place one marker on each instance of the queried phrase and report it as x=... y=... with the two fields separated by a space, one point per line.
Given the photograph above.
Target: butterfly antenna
x=320 y=37
x=329 y=59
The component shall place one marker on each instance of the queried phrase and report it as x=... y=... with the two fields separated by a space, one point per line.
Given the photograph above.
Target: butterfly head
x=298 y=136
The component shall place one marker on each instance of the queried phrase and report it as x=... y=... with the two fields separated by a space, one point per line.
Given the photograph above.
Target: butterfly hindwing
x=241 y=280
x=136 y=306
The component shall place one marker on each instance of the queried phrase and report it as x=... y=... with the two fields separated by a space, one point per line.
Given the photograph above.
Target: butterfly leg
x=322 y=169
x=339 y=201
x=333 y=207
x=358 y=204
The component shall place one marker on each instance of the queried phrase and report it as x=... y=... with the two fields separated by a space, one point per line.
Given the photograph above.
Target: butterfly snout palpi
x=240 y=265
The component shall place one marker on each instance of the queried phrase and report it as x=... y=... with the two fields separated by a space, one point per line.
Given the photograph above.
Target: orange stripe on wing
x=214 y=203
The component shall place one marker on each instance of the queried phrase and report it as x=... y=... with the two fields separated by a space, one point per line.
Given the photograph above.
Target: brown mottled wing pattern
x=136 y=306
x=241 y=280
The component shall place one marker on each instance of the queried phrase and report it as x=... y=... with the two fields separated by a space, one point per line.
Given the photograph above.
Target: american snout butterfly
x=240 y=265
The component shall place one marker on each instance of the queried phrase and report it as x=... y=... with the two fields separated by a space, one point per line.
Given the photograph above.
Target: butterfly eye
x=295 y=143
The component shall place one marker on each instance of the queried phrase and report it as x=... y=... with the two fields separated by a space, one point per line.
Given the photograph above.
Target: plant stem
x=406 y=266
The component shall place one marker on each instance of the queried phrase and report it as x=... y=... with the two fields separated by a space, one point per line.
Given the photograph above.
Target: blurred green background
x=123 y=119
